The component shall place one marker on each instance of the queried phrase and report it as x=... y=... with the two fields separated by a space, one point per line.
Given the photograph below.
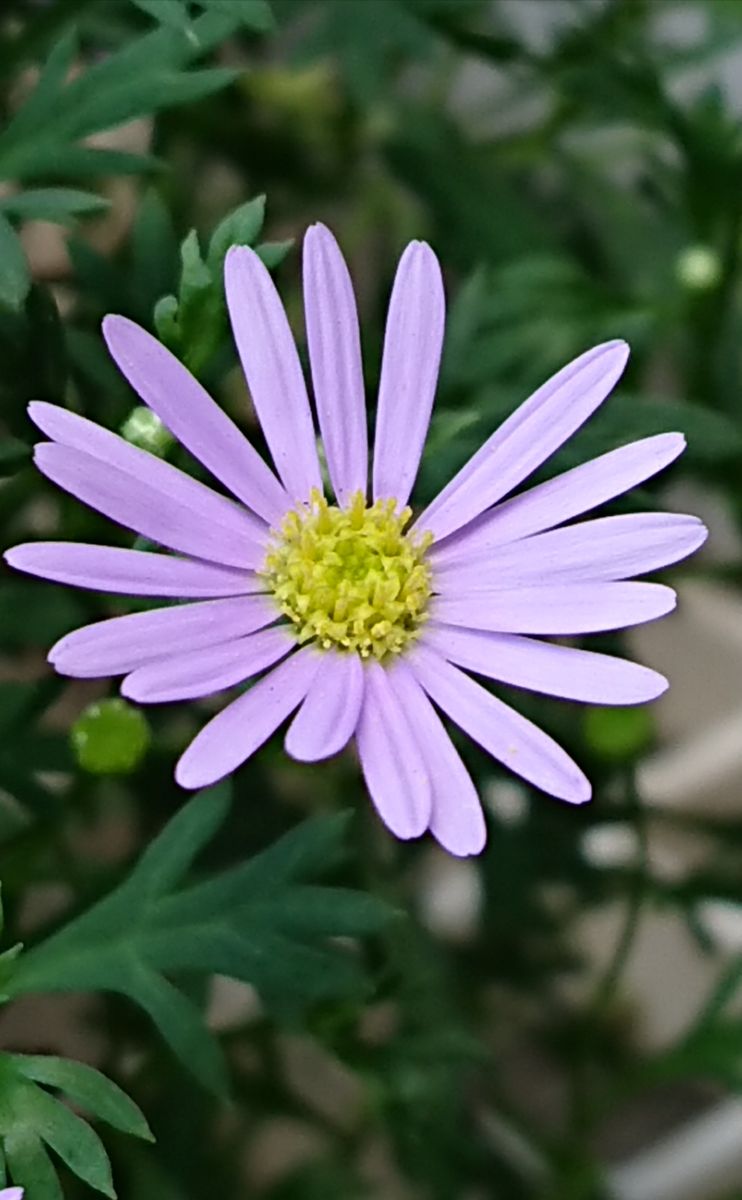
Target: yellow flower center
x=350 y=578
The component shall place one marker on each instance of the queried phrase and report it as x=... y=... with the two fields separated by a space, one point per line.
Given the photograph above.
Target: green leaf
x=172 y=13
x=87 y=1087
x=52 y=204
x=273 y=253
x=84 y=162
x=15 y=278
x=32 y=1119
x=367 y=40
x=7 y=965
x=165 y=317
x=69 y=1136
x=254 y=14
x=31 y=1166
x=259 y=922
x=41 y=138
x=154 y=251
x=239 y=228
x=52 y=79
x=168 y=858
x=181 y=1026
x=196 y=276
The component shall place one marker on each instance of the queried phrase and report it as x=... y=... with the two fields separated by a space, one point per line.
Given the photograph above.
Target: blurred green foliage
x=578 y=169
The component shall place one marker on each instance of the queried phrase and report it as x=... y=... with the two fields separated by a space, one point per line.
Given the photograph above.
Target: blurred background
x=558 y=1019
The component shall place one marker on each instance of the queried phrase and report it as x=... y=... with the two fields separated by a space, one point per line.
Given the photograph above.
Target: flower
x=11 y=1194
x=364 y=621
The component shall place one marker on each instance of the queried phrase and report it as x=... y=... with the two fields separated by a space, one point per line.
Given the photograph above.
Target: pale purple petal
x=528 y=437
x=559 y=499
x=409 y=372
x=234 y=734
x=606 y=549
x=505 y=734
x=327 y=719
x=177 y=512
x=194 y=418
x=563 y=609
x=271 y=364
x=203 y=672
x=130 y=572
x=13 y=1193
x=121 y=644
x=392 y=762
x=554 y=670
x=456 y=820
x=335 y=355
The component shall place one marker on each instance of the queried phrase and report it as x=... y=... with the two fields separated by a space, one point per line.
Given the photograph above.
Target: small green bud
x=144 y=429
x=698 y=268
x=110 y=737
x=618 y=734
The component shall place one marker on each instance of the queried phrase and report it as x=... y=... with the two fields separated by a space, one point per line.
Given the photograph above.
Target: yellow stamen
x=350 y=578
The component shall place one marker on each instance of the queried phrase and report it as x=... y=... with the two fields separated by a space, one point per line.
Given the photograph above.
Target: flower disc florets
x=350 y=578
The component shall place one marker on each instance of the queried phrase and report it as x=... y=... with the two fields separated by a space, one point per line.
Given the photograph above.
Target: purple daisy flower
x=365 y=623
x=11 y=1194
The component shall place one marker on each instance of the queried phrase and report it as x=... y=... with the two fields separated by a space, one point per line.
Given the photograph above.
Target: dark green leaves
x=171 y=13
x=34 y=1121
x=52 y=204
x=259 y=922
x=194 y=325
x=15 y=279
x=254 y=15
x=144 y=76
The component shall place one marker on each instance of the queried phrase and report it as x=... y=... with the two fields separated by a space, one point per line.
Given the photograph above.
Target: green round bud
x=698 y=268
x=110 y=737
x=144 y=429
x=618 y=733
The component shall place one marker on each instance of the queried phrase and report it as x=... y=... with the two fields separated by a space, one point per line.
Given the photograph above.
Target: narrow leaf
x=87 y=1087
x=167 y=859
x=171 y=13
x=254 y=14
x=239 y=228
x=15 y=278
x=52 y=204
x=30 y=1165
x=182 y=1027
x=71 y=1138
